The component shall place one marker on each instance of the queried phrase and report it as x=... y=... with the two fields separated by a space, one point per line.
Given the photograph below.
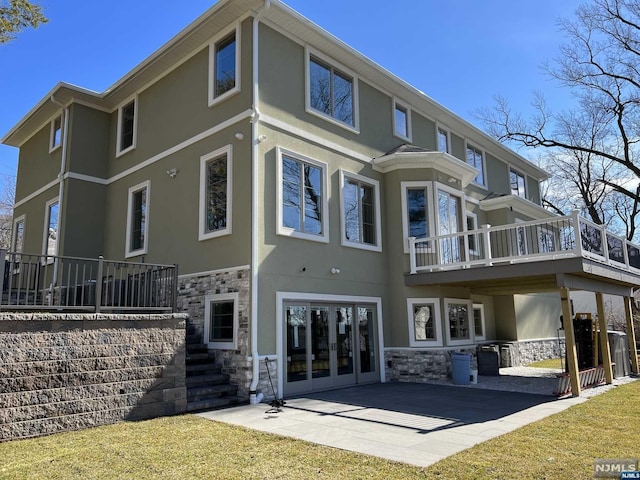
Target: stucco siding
x=537 y=315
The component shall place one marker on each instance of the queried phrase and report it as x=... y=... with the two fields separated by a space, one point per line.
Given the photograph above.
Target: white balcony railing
x=524 y=242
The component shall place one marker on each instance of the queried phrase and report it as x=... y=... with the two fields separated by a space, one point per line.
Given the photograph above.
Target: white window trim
x=22 y=218
x=448 y=134
x=141 y=251
x=468 y=144
x=120 y=152
x=397 y=103
x=309 y=52
x=469 y=303
x=474 y=217
x=212 y=65
x=52 y=133
x=454 y=193
x=376 y=189
x=404 y=186
x=290 y=232
x=411 y=302
x=222 y=297
x=479 y=306
x=202 y=233
x=45 y=229
x=523 y=175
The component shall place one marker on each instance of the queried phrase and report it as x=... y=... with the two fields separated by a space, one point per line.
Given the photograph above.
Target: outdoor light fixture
x=335 y=271
x=172 y=172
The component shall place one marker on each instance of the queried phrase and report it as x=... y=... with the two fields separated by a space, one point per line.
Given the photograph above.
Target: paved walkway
x=418 y=424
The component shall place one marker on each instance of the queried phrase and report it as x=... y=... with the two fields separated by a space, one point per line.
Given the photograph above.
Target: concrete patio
x=418 y=424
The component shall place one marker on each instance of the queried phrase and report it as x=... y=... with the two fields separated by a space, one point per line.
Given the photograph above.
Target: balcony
x=52 y=283
x=533 y=251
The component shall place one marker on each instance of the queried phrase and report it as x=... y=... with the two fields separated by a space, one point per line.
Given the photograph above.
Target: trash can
x=461 y=371
x=488 y=360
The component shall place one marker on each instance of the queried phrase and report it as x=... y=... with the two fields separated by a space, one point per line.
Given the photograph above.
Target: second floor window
x=17 y=242
x=417 y=212
x=126 y=126
x=225 y=65
x=137 y=220
x=215 y=194
x=518 y=184
x=361 y=216
x=331 y=92
x=474 y=158
x=401 y=121
x=51 y=228
x=56 y=133
x=303 y=199
x=443 y=140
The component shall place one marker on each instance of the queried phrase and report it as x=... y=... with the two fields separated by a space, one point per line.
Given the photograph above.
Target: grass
x=550 y=363
x=561 y=446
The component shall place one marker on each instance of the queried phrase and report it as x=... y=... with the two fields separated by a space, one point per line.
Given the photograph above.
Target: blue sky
x=461 y=52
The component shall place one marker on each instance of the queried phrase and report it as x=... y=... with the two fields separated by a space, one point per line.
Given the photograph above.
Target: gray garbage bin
x=461 y=371
x=488 y=360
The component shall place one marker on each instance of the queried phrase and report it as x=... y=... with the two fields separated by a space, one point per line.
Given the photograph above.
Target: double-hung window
x=55 y=139
x=221 y=321
x=302 y=203
x=458 y=319
x=425 y=328
x=224 y=66
x=518 y=184
x=127 y=127
x=17 y=239
x=401 y=121
x=442 y=138
x=215 y=193
x=138 y=220
x=417 y=211
x=475 y=159
x=331 y=92
x=50 y=240
x=360 y=212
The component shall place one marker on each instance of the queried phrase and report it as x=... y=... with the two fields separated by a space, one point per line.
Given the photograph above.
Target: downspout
x=63 y=166
x=254 y=209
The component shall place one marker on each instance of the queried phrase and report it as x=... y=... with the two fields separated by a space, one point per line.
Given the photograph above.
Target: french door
x=328 y=346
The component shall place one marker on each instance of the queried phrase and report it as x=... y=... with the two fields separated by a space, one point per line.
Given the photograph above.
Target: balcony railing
x=52 y=283
x=524 y=242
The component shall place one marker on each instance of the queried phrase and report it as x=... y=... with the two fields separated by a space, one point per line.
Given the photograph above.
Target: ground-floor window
x=478 y=321
x=424 y=322
x=221 y=321
x=458 y=321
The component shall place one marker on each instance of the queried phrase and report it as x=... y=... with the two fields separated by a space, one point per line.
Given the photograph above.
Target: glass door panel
x=366 y=339
x=344 y=340
x=449 y=223
x=320 y=342
x=296 y=329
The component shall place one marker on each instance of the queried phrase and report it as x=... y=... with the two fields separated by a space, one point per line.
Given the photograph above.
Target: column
x=570 y=342
x=604 y=340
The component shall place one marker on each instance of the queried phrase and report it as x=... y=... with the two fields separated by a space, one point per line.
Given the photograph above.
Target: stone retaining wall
x=516 y=354
x=421 y=366
x=192 y=290
x=63 y=372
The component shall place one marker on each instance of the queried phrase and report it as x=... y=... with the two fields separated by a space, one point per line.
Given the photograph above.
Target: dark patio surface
x=413 y=423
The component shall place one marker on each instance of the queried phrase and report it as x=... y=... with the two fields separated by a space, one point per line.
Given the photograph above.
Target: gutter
x=63 y=166
x=254 y=209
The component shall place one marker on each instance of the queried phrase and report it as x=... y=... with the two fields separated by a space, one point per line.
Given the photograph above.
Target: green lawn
x=550 y=363
x=185 y=447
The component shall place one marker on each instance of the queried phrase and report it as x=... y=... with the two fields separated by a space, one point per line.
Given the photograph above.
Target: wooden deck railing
x=53 y=283
x=524 y=242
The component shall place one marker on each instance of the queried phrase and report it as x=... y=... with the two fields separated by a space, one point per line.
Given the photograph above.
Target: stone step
x=206 y=393
x=207 y=380
x=200 y=368
x=202 y=357
x=194 y=339
x=217 y=403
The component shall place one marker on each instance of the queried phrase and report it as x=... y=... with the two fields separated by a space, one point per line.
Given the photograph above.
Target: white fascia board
x=516 y=203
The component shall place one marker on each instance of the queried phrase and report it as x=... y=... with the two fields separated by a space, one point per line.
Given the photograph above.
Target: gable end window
x=331 y=92
x=360 y=212
x=127 y=127
x=215 y=194
x=221 y=321
x=302 y=198
x=56 y=133
x=475 y=159
x=224 y=66
x=401 y=121
x=518 y=183
x=138 y=220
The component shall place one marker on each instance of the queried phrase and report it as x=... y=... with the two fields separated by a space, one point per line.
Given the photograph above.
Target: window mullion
x=302 y=198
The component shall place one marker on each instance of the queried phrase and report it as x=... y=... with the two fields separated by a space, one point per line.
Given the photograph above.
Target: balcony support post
x=486 y=240
x=604 y=340
x=575 y=218
x=570 y=342
x=631 y=336
x=99 y=283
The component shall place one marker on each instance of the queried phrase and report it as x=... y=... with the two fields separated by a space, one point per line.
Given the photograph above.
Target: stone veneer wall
x=192 y=290
x=420 y=366
x=515 y=354
x=63 y=372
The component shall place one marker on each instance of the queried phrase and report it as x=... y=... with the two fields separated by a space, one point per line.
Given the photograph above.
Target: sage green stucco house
x=297 y=184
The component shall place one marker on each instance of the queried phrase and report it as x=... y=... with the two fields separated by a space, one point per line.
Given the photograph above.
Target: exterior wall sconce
x=240 y=136
x=262 y=138
x=335 y=271
x=172 y=172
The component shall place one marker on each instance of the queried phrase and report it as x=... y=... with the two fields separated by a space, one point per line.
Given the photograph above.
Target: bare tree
x=7 y=195
x=594 y=146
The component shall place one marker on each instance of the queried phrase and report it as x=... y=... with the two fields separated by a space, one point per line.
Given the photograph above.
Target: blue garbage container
x=461 y=371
